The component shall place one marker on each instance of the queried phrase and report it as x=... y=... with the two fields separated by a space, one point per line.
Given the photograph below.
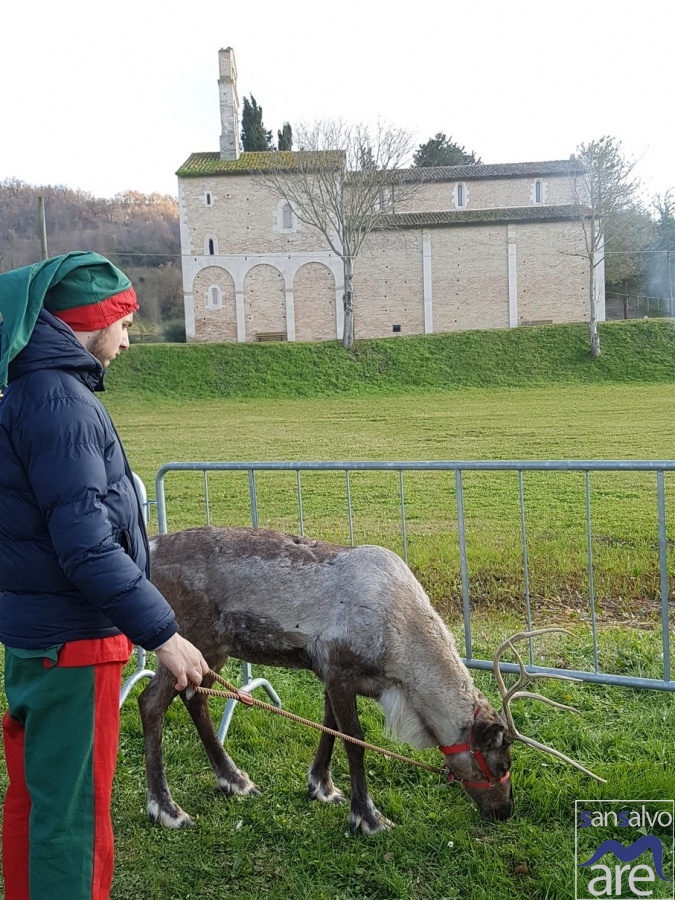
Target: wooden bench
x=270 y=336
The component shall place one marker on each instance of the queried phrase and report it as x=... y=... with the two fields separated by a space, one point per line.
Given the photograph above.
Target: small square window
x=396 y=329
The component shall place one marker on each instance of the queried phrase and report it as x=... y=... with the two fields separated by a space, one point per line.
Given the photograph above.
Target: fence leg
x=140 y=673
x=250 y=684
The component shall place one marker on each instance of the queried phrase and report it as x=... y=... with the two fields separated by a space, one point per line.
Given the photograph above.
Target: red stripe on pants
x=106 y=736
x=16 y=813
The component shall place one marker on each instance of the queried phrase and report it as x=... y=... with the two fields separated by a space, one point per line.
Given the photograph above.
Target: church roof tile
x=480 y=216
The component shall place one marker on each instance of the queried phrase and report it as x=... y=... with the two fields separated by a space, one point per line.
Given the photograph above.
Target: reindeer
x=359 y=619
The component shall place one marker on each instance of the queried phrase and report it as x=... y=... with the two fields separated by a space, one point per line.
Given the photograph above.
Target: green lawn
x=281 y=846
x=554 y=422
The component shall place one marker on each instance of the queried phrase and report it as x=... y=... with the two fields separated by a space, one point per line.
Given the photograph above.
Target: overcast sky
x=115 y=96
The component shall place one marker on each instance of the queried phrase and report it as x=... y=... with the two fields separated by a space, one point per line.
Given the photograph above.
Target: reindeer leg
x=363 y=814
x=319 y=782
x=153 y=704
x=229 y=778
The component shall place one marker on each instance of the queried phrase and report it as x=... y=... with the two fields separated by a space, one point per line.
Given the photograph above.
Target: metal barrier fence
x=594 y=673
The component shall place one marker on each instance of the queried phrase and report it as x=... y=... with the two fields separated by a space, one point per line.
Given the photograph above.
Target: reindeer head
x=483 y=764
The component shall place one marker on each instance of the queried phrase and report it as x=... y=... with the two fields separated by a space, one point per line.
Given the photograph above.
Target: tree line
x=138 y=232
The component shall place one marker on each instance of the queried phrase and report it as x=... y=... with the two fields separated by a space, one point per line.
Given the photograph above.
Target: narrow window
x=460 y=196
x=208 y=199
x=538 y=191
x=214 y=299
x=211 y=247
x=287 y=217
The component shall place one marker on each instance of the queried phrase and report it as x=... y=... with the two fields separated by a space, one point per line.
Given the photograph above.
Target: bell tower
x=229 y=105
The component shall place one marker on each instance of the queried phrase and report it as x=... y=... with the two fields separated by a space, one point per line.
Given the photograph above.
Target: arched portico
x=238 y=267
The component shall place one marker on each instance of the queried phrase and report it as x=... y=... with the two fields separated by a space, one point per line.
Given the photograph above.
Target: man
x=74 y=588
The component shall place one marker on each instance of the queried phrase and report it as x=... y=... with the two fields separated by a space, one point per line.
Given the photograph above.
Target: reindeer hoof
x=324 y=792
x=172 y=818
x=371 y=823
x=241 y=785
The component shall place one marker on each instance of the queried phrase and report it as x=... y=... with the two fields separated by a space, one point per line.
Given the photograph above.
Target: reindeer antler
x=515 y=692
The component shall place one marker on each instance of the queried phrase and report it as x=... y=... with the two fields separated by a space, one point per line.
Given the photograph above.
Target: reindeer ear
x=488 y=730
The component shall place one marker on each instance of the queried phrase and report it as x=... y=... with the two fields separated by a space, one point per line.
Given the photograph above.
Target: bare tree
x=343 y=181
x=605 y=190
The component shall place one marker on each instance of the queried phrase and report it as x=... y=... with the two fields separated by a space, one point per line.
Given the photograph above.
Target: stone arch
x=215 y=324
x=314 y=301
x=264 y=301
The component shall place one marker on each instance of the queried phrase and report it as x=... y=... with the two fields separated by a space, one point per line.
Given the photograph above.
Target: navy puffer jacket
x=73 y=547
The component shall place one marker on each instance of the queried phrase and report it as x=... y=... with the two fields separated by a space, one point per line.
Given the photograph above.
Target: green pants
x=61 y=734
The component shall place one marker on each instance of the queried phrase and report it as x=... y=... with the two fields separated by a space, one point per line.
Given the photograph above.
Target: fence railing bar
x=404 y=533
x=490 y=465
x=663 y=565
x=526 y=569
x=583 y=675
x=207 y=507
x=253 y=497
x=464 y=569
x=300 y=513
x=349 y=510
x=591 y=586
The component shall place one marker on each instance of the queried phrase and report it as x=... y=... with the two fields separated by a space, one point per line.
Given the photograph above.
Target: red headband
x=99 y=315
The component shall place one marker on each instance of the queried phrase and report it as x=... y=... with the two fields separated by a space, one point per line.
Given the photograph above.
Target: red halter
x=471 y=748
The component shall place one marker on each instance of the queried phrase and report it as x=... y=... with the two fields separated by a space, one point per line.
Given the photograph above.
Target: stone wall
x=314 y=303
x=242 y=217
x=388 y=285
x=487 y=193
x=469 y=270
x=214 y=324
x=552 y=277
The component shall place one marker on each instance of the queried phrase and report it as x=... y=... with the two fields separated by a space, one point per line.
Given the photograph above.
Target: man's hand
x=183 y=660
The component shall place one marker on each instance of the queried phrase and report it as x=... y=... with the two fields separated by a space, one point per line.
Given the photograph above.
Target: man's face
x=109 y=342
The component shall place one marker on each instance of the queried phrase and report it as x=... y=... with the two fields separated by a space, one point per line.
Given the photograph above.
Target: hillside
x=632 y=352
x=138 y=232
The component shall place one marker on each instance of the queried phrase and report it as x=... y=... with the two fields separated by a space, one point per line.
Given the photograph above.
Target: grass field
x=283 y=847
x=570 y=421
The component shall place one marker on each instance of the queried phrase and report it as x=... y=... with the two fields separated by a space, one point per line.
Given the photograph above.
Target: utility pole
x=43 y=227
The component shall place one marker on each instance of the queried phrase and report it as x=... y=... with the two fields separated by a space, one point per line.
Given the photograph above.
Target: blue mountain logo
x=631 y=852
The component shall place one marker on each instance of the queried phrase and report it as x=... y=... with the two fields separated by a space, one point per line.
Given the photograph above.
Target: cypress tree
x=253 y=135
x=285 y=137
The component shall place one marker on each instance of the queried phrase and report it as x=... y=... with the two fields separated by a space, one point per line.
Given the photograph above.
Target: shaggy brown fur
x=356 y=617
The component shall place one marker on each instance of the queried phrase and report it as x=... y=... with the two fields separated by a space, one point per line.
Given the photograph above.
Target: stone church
x=479 y=246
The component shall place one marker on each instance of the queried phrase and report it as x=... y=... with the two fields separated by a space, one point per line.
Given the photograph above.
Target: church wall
x=469 y=278
x=215 y=324
x=487 y=193
x=314 y=303
x=552 y=281
x=243 y=217
x=264 y=301
x=388 y=285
